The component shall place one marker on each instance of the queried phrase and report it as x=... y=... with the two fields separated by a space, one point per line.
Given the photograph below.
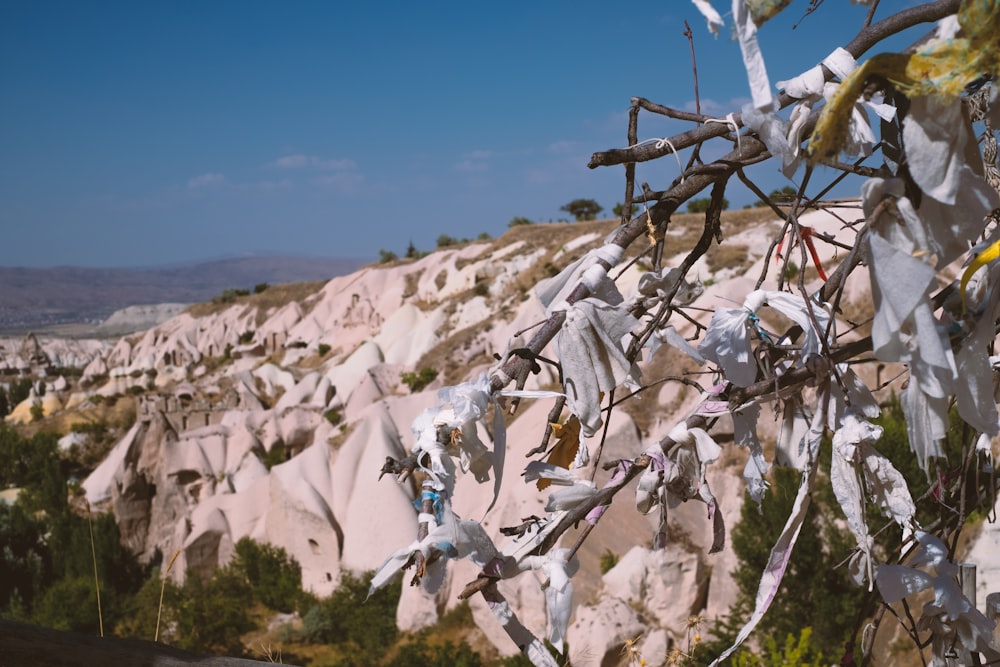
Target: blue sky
x=146 y=133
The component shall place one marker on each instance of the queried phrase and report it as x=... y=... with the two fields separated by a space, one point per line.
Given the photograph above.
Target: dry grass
x=274 y=296
x=412 y=282
x=728 y=256
x=444 y=357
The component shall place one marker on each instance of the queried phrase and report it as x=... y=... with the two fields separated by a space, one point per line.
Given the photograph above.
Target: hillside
x=35 y=299
x=272 y=416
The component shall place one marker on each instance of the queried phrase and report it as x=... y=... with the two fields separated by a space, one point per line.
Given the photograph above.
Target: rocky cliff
x=271 y=417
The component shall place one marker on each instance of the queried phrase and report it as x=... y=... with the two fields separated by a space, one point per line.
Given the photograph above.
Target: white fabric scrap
x=727 y=340
x=556 y=571
x=753 y=59
x=727 y=343
x=711 y=16
x=552 y=292
x=951 y=617
x=811 y=82
x=745 y=435
x=777 y=562
x=855 y=457
x=935 y=139
x=592 y=356
x=774 y=132
x=574 y=491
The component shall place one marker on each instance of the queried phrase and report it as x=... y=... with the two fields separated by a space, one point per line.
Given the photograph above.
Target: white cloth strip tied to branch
x=553 y=292
x=589 y=344
x=855 y=460
x=556 y=570
x=811 y=82
x=573 y=492
x=593 y=357
x=951 y=617
x=668 y=482
x=781 y=553
x=653 y=288
x=727 y=340
x=529 y=644
x=453 y=538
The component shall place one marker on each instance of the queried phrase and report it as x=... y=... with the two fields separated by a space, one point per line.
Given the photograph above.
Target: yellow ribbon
x=944 y=68
x=981 y=260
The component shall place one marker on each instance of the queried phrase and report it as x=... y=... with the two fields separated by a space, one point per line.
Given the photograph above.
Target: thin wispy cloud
x=345 y=181
x=474 y=162
x=710 y=107
x=472 y=167
x=301 y=161
x=562 y=147
x=205 y=180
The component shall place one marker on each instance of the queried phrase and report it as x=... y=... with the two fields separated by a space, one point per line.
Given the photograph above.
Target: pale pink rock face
x=324 y=506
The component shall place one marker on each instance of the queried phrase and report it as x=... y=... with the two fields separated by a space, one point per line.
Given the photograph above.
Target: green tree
x=350 y=617
x=813 y=591
x=214 y=612
x=518 y=221
x=412 y=252
x=275 y=578
x=71 y=604
x=779 y=196
x=582 y=209
x=386 y=256
x=25 y=562
x=620 y=208
x=19 y=390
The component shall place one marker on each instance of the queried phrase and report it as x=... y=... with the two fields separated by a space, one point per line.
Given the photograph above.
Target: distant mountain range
x=38 y=299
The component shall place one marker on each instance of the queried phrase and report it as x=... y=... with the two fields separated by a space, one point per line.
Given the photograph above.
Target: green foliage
x=420 y=379
x=412 y=252
x=386 y=256
x=444 y=241
x=782 y=196
x=582 y=209
x=229 y=295
x=36 y=412
x=619 y=209
x=260 y=287
x=323 y=349
x=484 y=236
x=333 y=416
x=70 y=604
x=33 y=464
x=812 y=592
x=701 y=205
x=420 y=653
x=245 y=337
x=518 y=221
x=274 y=456
x=791 y=271
x=275 y=578
x=19 y=390
x=4 y=403
x=25 y=562
x=793 y=653
x=349 y=618
x=214 y=612
x=608 y=560
x=46 y=563
x=142 y=609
